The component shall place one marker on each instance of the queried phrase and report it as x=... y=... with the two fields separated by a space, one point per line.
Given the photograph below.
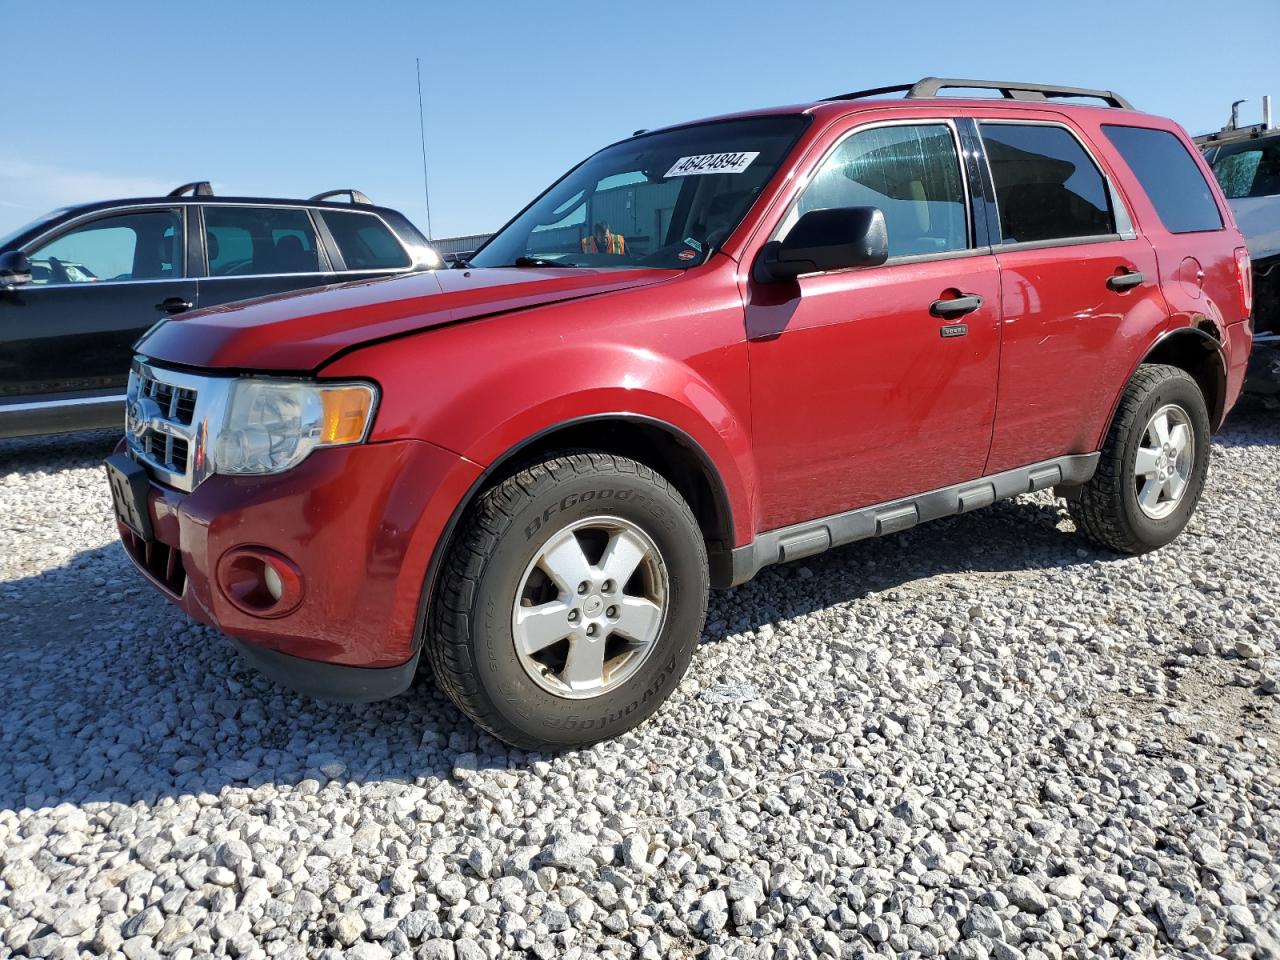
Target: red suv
x=703 y=350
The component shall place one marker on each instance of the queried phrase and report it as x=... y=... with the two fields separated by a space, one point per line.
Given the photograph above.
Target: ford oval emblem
x=141 y=412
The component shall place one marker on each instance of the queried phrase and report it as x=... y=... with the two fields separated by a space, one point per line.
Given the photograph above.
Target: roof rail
x=355 y=196
x=929 y=87
x=197 y=188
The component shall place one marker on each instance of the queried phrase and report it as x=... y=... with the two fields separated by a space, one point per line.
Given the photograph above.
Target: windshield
x=1248 y=169
x=659 y=200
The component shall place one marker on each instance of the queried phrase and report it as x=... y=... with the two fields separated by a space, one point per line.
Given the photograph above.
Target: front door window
x=143 y=245
x=911 y=172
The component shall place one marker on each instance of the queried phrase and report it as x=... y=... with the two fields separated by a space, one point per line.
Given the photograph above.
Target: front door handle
x=956 y=307
x=173 y=305
x=1125 y=281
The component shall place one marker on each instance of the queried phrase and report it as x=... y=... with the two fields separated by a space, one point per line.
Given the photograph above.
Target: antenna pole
x=422 y=135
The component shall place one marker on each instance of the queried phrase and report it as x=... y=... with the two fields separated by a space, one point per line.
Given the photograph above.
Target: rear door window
x=1170 y=177
x=257 y=241
x=911 y=172
x=365 y=242
x=1047 y=186
x=143 y=245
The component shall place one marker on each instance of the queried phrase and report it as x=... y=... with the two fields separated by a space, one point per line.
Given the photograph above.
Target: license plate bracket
x=129 y=488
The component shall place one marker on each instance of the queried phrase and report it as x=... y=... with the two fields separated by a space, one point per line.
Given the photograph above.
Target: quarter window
x=912 y=173
x=1170 y=177
x=249 y=241
x=364 y=241
x=128 y=246
x=1047 y=186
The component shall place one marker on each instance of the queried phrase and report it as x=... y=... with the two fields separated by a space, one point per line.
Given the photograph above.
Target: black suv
x=79 y=286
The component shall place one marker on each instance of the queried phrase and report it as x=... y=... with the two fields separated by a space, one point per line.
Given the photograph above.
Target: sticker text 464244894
x=705 y=163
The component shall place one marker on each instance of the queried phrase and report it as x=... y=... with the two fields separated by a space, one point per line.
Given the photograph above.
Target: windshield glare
x=658 y=200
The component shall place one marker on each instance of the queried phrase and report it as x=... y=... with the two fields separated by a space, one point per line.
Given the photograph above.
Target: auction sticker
x=712 y=163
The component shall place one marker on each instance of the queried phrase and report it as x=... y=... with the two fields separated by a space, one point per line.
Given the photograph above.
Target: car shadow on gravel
x=59 y=452
x=109 y=693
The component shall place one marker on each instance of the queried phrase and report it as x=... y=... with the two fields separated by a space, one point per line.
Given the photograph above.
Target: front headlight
x=273 y=425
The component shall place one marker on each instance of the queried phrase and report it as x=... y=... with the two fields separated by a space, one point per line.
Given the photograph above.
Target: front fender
x=482 y=389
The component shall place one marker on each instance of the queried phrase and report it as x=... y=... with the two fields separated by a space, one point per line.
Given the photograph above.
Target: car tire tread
x=448 y=644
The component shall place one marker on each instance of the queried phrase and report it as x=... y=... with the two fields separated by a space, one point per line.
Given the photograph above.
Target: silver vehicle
x=1246 y=161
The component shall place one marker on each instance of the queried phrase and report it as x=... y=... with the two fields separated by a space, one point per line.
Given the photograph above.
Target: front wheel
x=570 y=603
x=1153 y=464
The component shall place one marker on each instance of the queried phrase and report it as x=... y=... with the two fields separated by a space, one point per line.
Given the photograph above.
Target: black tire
x=471 y=645
x=1107 y=511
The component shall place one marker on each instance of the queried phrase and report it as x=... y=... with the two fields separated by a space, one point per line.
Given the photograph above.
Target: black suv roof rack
x=197 y=188
x=929 y=87
x=355 y=195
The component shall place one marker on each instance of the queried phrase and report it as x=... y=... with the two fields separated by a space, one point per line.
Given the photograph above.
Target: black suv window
x=251 y=241
x=145 y=245
x=912 y=173
x=1169 y=175
x=364 y=241
x=1047 y=186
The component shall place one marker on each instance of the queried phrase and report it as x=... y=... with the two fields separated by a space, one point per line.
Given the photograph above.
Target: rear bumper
x=359 y=524
x=1238 y=346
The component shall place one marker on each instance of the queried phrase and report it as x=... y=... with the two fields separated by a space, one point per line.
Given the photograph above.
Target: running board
x=815 y=536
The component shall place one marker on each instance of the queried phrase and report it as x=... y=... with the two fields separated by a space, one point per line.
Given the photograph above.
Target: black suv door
x=97 y=284
x=253 y=250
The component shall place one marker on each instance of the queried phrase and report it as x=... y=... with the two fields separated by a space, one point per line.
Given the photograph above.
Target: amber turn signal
x=346 y=413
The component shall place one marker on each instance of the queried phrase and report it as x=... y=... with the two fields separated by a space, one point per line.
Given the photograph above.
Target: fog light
x=271 y=580
x=260 y=582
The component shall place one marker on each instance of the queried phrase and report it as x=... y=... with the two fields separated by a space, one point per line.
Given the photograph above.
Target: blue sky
x=290 y=98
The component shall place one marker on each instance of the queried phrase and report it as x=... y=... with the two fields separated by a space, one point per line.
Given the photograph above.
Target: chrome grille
x=166 y=450
x=168 y=416
x=179 y=403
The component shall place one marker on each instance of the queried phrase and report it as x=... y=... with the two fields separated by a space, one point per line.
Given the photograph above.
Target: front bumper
x=360 y=524
x=330 y=681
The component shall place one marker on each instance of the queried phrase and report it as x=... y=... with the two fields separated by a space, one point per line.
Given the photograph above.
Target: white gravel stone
x=976 y=739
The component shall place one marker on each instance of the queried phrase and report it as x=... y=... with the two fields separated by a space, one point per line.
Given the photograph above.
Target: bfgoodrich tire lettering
x=471 y=642
x=1108 y=511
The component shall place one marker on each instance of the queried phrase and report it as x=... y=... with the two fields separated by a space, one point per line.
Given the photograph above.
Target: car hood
x=301 y=330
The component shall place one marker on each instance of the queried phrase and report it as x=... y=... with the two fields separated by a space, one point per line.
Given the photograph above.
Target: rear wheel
x=570 y=603
x=1153 y=464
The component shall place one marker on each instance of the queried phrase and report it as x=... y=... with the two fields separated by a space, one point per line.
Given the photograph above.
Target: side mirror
x=834 y=239
x=15 y=269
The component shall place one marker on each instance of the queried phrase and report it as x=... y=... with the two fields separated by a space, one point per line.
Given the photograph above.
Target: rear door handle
x=956 y=307
x=1125 y=281
x=173 y=305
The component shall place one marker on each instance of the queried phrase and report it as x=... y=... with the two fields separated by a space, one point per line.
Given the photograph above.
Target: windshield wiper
x=539 y=262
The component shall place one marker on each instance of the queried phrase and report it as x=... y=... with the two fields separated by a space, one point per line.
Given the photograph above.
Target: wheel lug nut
x=607 y=586
x=592 y=630
x=583 y=587
x=612 y=613
x=573 y=616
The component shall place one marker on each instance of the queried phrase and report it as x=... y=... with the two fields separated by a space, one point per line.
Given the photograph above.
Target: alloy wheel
x=1164 y=461
x=590 y=607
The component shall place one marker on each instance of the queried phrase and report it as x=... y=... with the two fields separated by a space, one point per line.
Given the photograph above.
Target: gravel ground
x=975 y=739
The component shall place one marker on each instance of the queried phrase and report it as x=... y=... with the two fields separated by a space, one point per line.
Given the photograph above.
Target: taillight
x=1244 y=276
